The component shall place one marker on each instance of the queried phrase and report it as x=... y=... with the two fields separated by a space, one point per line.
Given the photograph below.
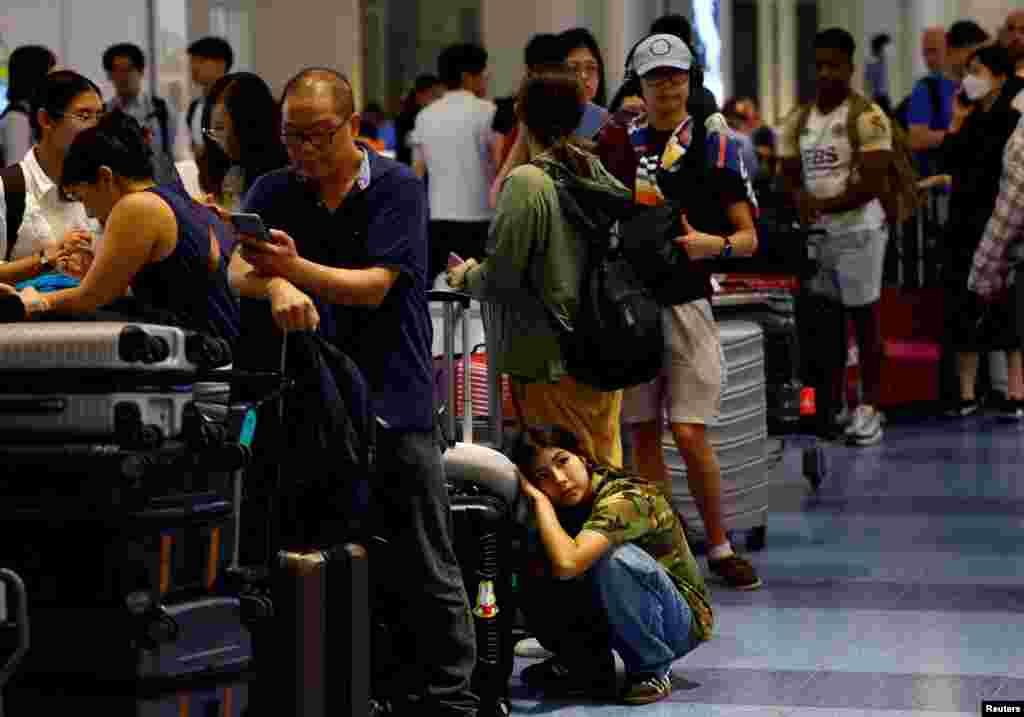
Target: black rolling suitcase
x=482 y=537
x=312 y=640
x=141 y=659
x=14 y=627
x=483 y=491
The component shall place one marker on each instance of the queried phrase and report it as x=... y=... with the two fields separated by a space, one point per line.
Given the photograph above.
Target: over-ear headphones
x=696 y=69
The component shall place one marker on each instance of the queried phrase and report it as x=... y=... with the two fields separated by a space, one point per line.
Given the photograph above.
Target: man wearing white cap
x=652 y=153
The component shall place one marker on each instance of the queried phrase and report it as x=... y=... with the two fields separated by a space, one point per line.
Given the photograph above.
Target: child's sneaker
x=645 y=689
x=735 y=572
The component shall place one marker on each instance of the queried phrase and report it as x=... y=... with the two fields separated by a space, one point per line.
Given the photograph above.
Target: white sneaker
x=870 y=440
x=531 y=647
x=857 y=418
x=865 y=425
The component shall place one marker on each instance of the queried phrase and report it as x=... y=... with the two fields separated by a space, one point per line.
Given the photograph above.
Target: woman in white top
x=52 y=228
x=26 y=67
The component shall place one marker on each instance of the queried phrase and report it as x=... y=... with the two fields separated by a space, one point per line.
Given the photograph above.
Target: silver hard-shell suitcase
x=137 y=417
x=107 y=346
x=739 y=438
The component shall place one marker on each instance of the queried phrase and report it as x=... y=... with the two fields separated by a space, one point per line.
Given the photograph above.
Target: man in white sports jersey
x=835 y=155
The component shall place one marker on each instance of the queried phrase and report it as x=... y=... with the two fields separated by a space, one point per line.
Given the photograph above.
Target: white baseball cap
x=661 y=51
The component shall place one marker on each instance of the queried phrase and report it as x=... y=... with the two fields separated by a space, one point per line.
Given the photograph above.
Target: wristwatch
x=726 y=252
x=44 y=262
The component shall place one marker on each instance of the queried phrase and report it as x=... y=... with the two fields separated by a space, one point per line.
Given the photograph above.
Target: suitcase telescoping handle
x=17 y=586
x=37 y=406
x=452 y=301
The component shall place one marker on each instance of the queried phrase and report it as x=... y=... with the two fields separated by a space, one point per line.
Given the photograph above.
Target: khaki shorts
x=591 y=415
x=850 y=267
x=689 y=389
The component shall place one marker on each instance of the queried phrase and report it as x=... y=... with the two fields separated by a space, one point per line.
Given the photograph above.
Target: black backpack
x=14 y=194
x=162 y=115
x=332 y=447
x=615 y=341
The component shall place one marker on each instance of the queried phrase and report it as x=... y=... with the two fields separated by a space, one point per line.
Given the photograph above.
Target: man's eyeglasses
x=658 y=78
x=585 y=69
x=318 y=139
x=84 y=116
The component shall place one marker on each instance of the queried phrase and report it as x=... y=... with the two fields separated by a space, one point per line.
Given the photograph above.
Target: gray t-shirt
x=453 y=136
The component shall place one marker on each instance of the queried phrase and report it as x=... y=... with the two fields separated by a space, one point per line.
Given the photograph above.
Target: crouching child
x=617 y=574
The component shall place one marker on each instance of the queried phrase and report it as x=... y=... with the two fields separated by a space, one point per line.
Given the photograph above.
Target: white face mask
x=976 y=87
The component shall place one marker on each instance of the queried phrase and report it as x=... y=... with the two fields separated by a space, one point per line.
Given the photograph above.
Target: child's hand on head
x=530 y=490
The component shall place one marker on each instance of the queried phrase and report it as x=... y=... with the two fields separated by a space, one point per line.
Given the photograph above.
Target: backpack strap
x=193 y=106
x=859 y=104
x=14 y=192
x=803 y=116
x=558 y=175
x=162 y=115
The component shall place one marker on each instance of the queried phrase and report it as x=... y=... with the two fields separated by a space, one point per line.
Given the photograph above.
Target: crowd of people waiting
x=96 y=215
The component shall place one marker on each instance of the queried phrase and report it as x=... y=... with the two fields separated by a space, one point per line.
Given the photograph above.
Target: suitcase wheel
x=149 y=437
x=207 y=352
x=131 y=431
x=137 y=346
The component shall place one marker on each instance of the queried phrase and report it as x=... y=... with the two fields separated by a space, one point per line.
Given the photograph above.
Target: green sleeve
x=624 y=516
x=524 y=216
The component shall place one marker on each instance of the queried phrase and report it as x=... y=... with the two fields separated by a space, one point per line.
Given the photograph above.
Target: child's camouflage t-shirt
x=630 y=510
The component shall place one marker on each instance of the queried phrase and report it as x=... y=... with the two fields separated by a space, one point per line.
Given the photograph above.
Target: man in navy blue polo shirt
x=349 y=257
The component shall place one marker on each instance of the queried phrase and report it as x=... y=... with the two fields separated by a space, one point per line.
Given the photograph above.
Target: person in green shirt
x=534 y=243
x=618 y=574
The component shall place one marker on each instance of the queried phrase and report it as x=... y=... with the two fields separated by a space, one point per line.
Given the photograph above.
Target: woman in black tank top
x=157 y=241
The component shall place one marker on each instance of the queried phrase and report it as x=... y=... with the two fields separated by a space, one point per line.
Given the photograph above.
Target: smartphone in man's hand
x=251 y=227
x=454 y=260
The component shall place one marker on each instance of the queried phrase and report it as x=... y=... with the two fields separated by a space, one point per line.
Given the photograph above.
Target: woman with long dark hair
x=26 y=68
x=583 y=57
x=241 y=137
x=530 y=234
